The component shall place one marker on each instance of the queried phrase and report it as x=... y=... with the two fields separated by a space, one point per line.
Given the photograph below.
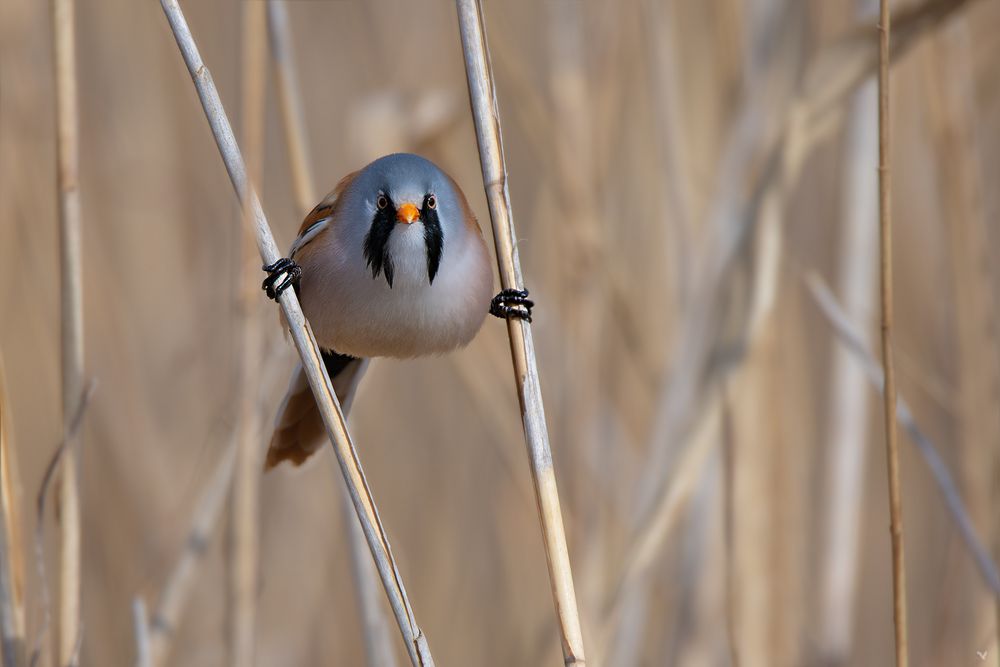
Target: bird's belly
x=362 y=316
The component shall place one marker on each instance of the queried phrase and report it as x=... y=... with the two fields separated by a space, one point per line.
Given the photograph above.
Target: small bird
x=392 y=263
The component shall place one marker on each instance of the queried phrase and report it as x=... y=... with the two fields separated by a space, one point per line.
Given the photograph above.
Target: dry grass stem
x=486 y=115
x=889 y=393
x=333 y=419
x=70 y=254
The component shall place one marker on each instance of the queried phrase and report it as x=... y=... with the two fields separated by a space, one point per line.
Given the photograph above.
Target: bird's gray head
x=405 y=210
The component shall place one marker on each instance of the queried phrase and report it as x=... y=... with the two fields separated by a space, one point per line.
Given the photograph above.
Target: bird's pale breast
x=355 y=313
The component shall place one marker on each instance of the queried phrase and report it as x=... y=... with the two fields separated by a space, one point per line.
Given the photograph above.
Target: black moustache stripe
x=434 y=239
x=377 y=243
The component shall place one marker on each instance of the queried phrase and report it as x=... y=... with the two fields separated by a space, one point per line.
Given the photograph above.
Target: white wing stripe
x=308 y=235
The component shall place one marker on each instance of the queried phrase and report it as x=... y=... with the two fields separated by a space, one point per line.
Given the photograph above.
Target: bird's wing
x=319 y=218
x=298 y=428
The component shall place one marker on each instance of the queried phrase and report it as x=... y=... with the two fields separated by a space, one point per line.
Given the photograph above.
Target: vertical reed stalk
x=482 y=94
x=889 y=396
x=140 y=627
x=12 y=644
x=378 y=649
x=245 y=490
x=849 y=417
x=290 y=99
x=63 y=12
x=333 y=419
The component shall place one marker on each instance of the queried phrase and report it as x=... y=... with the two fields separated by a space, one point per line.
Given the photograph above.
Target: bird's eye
x=382 y=202
x=432 y=201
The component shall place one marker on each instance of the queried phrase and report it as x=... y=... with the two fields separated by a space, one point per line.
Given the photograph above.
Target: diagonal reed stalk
x=333 y=419
x=70 y=255
x=378 y=649
x=482 y=94
x=889 y=394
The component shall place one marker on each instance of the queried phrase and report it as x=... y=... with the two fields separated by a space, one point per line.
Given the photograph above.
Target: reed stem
x=889 y=395
x=482 y=94
x=70 y=256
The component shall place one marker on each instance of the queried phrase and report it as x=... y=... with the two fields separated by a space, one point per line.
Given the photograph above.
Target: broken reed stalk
x=70 y=256
x=333 y=419
x=482 y=95
x=245 y=491
x=889 y=395
x=378 y=649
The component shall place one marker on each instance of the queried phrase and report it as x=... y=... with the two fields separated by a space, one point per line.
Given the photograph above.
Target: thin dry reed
x=333 y=419
x=889 y=395
x=71 y=260
x=482 y=94
x=290 y=99
x=243 y=574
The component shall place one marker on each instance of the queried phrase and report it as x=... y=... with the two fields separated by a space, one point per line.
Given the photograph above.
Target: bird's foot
x=280 y=276
x=512 y=303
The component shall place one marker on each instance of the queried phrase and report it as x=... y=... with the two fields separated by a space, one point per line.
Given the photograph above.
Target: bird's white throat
x=408 y=253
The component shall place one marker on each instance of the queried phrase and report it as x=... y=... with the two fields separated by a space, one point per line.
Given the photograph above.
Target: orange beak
x=407 y=213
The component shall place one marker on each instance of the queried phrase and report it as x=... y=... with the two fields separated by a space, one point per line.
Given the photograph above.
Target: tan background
x=621 y=123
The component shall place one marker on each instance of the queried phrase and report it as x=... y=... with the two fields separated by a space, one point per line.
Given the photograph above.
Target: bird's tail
x=298 y=427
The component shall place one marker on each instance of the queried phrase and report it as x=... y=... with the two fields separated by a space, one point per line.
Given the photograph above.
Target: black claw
x=280 y=276
x=512 y=303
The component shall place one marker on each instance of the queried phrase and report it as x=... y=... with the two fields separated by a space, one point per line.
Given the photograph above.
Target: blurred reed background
x=686 y=178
